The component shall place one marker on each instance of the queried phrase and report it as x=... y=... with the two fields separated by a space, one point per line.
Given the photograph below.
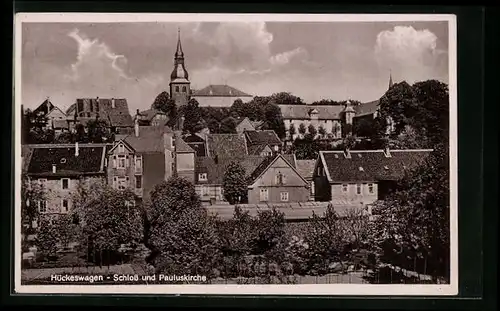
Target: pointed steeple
x=390 y=79
x=179 y=53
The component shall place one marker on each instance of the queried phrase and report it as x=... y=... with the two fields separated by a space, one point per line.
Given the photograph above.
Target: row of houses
x=150 y=155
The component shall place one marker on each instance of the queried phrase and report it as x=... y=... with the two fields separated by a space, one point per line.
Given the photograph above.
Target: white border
x=316 y=289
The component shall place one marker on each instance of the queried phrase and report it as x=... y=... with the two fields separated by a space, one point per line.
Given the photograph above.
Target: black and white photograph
x=283 y=154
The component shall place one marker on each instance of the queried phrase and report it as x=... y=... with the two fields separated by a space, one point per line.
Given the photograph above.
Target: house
x=264 y=143
x=197 y=143
x=210 y=174
x=50 y=113
x=60 y=168
x=151 y=117
x=361 y=177
x=113 y=110
x=246 y=124
x=219 y=96
x=143 y=159
x=306 y=170
x=226 y=146
x=276 y=179
x=184 y=158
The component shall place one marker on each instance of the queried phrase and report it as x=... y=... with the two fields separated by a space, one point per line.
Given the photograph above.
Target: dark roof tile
x=226 y=145
x=266 y=137
x=215 y=168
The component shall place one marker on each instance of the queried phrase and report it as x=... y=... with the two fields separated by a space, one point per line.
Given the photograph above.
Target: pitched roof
x=150 y=139
x=149 y=114
x=257 y=124
x=218 y=90
x=193 y=138
x=181 y=146
x=256 y=149
x=89 y=161
x=303 y=111
x=370 y=165
x=306 y=168
x=117 y=116
x=263 y=166
x=45 y=107
x=196 y=143
x=215 y=169
x=226 y=145
x=266 y=137
x=366 y=108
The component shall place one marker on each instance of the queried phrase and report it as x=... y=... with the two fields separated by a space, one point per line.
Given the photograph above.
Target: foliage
x=227 y=126
x=322 y=131
x=302 y=128
x=213 y=116
x=182 y=235
x=234 y=183
x=31 y=193
x=164 y=103
x=97 y=131
x=306 y=148
x=55 y=235
x=193 y=122
x=65 y=138
x=412 y=227
x=292 y=130
x=363 y=127
x=312 y=130
x=329 y=102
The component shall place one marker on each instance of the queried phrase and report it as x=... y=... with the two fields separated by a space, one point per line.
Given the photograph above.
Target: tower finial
x=179 y=52
x=390 y=78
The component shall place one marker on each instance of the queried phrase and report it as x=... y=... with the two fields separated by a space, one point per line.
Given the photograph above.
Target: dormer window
x=202 y=176
x=63 y=160
x=386 y=167
x=361 y=169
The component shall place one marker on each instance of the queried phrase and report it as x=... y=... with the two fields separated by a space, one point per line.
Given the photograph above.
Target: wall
x=128 y=171
x=296 y=187
x=55 y=114
x=328 y=125
x=244 y=125
x=153 y=172
x=54 y=194
x=210 y=192
x=351 y=197
x=185 y=166
x=222 y=101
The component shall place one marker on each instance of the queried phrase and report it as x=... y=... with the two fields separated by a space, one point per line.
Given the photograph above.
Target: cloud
x=99 y=71
x=411 y=54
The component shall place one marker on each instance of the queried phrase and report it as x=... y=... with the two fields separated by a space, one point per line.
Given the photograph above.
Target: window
x=173 y=167
x=65 y=183
x=184 y=89
x=264 y=195
x=121 y=148
x=345 y=187
x=138 y=163
x=121 y=183
x=172 y=142
x=280 y=179
x=358 y=188
x=177 y=88
x=370 y=188
x=121 y=161
x=202 y=176
x=138 y=181
x=319 y=171
x=204 y=191
x=42 y=182
x=42 y=206
x=284 y=196
x=65 y=205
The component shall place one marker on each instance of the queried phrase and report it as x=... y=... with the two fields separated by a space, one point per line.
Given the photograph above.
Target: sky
x=312 y=60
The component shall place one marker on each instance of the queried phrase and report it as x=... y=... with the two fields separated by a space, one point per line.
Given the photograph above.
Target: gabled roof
x=303 y=111
x=150 y=139
x=266 y=137
x=193 y=138
x=268 y=161
x=218 y=90
x=257 y=149
x=215 y=169
x=366 y=108
x=149 y=114
x=370 y=165
x=226 y=145
x=45 y=107
x=306 y=168
x=89 y=161
x=117 y=116
x=181 y=146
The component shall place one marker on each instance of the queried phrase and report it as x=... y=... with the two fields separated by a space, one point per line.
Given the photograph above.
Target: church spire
x=179 y=53
x=390 y=79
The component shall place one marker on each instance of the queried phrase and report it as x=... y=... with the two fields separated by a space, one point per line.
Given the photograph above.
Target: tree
x=400 y=104
x=349 y=142
x=363 y=127
x=286 y=98
x=181 y=233
x=80 y=135
x=312 y=130
x=322 y=131
x=302 y=129
x=228 y=126
x=110 y=220
x=412 y=224
x=193 y=122
x=292 y=131
x=55 y=235
x=234 y=183
x=164 y=103
x=64 y=138
x=274 y=120
x=31 y=194
x=97 y=131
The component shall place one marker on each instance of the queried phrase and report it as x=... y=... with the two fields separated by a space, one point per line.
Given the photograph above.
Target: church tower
x=179 y=79
x=390 y=80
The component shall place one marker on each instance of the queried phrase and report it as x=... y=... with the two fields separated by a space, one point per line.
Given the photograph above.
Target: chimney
x=77 y=149
x=113 y=103
x=54 y=168
x=136 y=127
